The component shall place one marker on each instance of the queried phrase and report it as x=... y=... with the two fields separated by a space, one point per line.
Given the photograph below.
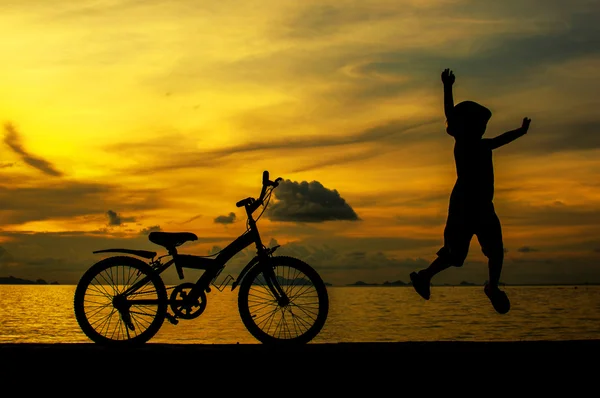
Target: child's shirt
x=474 y=173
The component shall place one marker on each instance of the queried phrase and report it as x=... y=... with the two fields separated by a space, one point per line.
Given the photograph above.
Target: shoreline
x=43 y=351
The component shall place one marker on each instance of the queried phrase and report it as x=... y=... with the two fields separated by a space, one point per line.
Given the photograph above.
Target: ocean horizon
x=44 y=314
x=12 y=280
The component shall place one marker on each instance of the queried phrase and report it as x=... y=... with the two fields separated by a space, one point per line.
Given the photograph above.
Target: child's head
x=468 y=120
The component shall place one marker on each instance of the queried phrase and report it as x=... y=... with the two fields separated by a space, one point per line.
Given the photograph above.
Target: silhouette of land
x=403 y=284
x=11 y=280
x=465 y=283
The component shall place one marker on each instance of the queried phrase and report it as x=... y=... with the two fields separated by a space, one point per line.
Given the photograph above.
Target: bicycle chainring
x=187 y=310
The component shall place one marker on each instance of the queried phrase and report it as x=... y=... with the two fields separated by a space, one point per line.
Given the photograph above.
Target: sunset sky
x=125 y=116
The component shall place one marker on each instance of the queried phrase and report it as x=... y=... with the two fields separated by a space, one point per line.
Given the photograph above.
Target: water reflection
x=44 y=314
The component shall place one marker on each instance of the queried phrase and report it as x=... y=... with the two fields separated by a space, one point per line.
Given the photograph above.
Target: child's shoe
x=421 y=284
x=498 y=298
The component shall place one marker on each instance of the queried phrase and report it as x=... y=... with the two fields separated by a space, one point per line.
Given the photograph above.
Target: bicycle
x=122 y=300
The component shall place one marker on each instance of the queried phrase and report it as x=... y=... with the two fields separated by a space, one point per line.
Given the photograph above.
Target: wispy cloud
x=12 y=138
x=115 y=219
x=68 y=199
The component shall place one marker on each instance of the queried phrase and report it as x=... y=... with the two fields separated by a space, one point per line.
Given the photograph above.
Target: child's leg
x=490 y=239
x=438 y=265
x=454 y=252
x=495 y=269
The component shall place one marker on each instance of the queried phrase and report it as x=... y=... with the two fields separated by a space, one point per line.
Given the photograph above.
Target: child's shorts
x=460 y=229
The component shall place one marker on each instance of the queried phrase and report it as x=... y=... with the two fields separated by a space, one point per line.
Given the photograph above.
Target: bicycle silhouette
x=122 y=300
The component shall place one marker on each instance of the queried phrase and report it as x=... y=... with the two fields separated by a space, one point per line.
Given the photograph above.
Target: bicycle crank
x=185 y=307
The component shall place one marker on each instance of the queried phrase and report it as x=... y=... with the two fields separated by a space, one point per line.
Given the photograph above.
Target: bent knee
x=495 y=252
x=455 y=258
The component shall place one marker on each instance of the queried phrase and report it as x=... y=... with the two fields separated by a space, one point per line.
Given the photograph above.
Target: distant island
x=465 y=283
x=11 y=280
x=401 y=283
x=386 y=283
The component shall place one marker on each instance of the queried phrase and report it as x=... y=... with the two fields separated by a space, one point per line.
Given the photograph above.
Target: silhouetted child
x=471 y=211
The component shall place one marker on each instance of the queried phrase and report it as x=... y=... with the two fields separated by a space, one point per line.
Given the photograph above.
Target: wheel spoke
x=104 y=313
x=298 y=316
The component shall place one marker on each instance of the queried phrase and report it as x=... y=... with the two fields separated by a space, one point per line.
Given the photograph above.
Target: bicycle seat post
x=173 y=252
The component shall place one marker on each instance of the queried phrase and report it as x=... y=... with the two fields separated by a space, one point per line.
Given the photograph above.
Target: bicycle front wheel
x=295 y=320
x=120 y=301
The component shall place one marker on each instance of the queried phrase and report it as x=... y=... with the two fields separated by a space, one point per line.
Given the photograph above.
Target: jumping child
x=471 y=210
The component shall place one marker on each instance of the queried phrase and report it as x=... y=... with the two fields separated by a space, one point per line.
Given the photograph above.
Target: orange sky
x=164 y=114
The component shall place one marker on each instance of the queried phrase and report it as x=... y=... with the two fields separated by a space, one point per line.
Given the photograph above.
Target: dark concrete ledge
x=569 y=363
x=329 y=351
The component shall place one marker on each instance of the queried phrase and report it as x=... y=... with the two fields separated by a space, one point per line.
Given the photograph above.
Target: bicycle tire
x=258 y=319
x=95 y=293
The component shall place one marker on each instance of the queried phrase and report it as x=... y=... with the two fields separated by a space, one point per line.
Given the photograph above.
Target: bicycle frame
x=214 y=266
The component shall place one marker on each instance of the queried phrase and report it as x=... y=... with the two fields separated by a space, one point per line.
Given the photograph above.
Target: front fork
x=273 y=284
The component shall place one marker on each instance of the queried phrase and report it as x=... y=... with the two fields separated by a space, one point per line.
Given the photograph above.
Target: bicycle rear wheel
x=108 y=316
x=296 y=320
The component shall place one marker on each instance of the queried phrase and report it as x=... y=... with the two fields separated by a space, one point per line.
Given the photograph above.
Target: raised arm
x=448 y=80
x=510 y=136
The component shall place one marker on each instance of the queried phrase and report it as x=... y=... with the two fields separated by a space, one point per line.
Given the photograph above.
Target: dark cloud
x=116 y=219
x=5 y=165
x=309 y=202
x=13 y=140
x=229 y=219
x=154 y=228
x=527 y=249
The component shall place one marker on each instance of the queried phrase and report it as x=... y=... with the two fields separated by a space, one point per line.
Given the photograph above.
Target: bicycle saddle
x=171 y=239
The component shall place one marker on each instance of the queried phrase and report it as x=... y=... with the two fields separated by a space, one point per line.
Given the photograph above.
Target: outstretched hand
x=448 y=77
x=525 y=125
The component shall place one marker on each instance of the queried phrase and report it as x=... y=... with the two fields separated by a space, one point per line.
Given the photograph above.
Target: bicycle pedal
x=172 y=319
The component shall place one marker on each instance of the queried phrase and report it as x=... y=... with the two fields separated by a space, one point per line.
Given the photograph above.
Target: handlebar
x=253 y=204
x=267 y=182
